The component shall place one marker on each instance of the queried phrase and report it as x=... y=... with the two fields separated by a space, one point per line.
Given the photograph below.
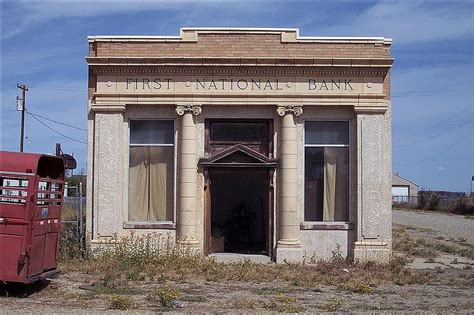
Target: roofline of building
x=406 y=180
x=190 y=34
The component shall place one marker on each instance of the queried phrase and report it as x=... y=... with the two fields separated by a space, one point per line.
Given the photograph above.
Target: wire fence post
x=81 y=217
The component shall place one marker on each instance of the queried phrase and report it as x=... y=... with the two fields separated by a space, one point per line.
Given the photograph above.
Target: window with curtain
x=151 y=172
x=327 y=171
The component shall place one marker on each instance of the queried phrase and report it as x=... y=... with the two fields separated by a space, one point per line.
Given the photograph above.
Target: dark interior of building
x=239 y=212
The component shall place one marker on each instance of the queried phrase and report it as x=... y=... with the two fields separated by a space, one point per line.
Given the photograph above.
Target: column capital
x=295 y=110
x=194 y=109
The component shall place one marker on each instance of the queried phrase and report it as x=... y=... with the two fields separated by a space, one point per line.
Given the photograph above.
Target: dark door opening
x=239 y=211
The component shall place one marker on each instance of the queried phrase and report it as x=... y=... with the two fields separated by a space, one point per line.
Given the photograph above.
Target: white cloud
x=406 y=22
x=31 y=13
x=440 y=168
x=409 y=22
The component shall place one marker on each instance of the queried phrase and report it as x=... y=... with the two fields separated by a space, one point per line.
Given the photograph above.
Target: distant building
x=404 y=190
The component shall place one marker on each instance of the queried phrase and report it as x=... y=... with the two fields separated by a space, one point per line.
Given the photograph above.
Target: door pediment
x=238 y=155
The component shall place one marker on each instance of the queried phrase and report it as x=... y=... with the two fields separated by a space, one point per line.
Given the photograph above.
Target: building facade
x=252 y=141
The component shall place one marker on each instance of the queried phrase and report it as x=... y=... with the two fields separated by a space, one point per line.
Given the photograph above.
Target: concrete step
x=235 y=257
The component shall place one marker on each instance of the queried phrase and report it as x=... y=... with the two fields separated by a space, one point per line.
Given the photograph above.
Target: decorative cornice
x=194 y=109
x=289 y=109
x=241 y=61
x=224 y=70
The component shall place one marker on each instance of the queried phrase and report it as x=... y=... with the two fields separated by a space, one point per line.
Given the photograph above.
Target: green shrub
x=164 y=296
x=119 y=302
x=356 y=286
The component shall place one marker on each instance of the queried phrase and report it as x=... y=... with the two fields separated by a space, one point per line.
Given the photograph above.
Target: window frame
x=209 y=144
x=153 y=224
x=328 y=225
x=236 y=122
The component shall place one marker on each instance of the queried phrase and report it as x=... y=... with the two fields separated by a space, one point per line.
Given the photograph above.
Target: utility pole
x=58 y=149
x=23 y=88
x=472 y=180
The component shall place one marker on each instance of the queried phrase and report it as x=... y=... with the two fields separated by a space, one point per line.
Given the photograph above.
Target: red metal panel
x=36 y=254
x=19 y=162
x=10 y=247
x=30 y=209
x=50 y=251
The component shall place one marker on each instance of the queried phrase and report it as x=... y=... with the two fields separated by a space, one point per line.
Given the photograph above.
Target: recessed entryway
x=239 y=211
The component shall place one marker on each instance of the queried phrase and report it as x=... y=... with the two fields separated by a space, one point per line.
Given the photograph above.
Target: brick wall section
x=242 y=45
x=239 y=45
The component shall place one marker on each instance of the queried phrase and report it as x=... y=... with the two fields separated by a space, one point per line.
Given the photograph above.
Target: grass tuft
x=118 y=302
x=156 y=258
x=333 y=304
x=356 y=286
x=164 y=296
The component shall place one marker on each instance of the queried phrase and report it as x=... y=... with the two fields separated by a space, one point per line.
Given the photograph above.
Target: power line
x=58 y=122
x=446 y=120
x=460 y=124
x=437 y=154
x=56 y=130
x=56 y=87
x=438 y=126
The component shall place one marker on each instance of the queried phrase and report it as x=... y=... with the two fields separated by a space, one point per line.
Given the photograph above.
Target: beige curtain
x=138 y=198
x=335 y=203
x=151 y=184
x=161 y=184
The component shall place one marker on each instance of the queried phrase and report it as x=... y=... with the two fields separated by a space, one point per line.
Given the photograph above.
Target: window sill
x=149 y=225
x=326 y=226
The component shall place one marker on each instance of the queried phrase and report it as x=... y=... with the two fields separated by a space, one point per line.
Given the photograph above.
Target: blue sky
x=44 y=45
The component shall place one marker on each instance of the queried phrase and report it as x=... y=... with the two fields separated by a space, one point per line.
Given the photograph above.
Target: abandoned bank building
x=245 y=141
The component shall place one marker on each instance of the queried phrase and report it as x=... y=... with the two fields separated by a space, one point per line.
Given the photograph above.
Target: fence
x=433 y=202
x=405 y=200
x=73 y=215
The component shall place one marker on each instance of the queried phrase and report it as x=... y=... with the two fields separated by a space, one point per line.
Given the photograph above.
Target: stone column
x=108 y=147
x=187 y=171
x=374 y=220
x=288 y=245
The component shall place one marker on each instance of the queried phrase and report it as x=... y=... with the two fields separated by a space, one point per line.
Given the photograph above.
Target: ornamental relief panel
x=162 y=84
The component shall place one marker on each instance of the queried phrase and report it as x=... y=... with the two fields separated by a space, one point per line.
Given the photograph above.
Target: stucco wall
x=114 y=61
x=374 y=186
x=111 y=201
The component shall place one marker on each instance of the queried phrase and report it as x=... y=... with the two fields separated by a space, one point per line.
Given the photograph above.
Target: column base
x=365 y=251
x=190 y=246
x=100 y=246
x=188 y=242
x=292 y=252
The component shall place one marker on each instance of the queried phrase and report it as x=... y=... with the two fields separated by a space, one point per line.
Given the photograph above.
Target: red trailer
x=31 y=198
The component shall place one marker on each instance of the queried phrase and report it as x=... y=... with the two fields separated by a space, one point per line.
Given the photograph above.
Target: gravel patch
x=449 y=225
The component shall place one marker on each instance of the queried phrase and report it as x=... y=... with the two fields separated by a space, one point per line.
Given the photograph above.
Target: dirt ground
x=447 y=262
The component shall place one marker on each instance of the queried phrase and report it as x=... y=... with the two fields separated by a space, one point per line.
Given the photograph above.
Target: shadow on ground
x=20 y=290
